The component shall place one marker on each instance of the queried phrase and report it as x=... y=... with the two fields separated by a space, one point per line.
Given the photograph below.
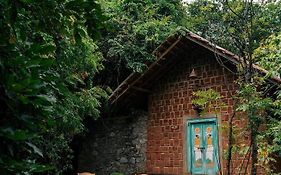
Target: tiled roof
x=171 y=46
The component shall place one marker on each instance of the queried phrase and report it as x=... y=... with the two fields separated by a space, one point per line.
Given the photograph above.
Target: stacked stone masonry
x=116 y=145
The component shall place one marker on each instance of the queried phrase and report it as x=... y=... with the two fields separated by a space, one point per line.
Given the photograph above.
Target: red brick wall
x=171 y=103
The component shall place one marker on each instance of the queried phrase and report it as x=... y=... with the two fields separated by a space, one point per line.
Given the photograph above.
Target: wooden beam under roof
x=170 y=48
x=149 y=68
x=141 y=89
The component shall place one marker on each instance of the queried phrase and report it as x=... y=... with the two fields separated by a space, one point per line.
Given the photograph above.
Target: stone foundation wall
x=116 y=145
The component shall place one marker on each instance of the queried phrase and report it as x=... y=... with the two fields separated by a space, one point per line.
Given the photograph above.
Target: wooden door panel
x=202 y=143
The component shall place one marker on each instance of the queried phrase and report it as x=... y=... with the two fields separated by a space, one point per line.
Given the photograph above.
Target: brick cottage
x=168 y=136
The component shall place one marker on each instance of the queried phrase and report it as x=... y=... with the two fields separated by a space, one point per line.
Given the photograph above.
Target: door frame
x=195 y=119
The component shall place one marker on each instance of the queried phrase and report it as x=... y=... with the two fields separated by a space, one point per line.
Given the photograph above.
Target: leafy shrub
x=47 y=65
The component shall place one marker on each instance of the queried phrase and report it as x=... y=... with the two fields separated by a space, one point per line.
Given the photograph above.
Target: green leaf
x=43 y=49
x=27 y=1
x=82 y=32
x=48 y=98
x=35 y=168
x=16 y=134
x=116 y=173
x=35 y=149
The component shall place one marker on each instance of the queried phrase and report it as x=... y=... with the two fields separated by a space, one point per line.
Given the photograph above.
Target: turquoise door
x=202 y=146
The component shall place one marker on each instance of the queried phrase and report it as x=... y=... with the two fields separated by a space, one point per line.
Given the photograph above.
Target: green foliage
x=205 y=99
x=203 y=15
x=269 y=54
x=116 y=173
x=253 y=103
x=263 y=114
x=47 y=65
x=264 y=151
x=238 y=26
x=270 y=138
x=134 y=29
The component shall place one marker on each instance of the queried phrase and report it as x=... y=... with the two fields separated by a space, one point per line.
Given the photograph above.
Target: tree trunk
x=254 y=154
x=230 y=144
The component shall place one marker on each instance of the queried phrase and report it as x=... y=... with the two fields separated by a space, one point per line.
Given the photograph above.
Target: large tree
x=48 y=60
x=226 y=22
x=241 y=26
x=134 y=29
